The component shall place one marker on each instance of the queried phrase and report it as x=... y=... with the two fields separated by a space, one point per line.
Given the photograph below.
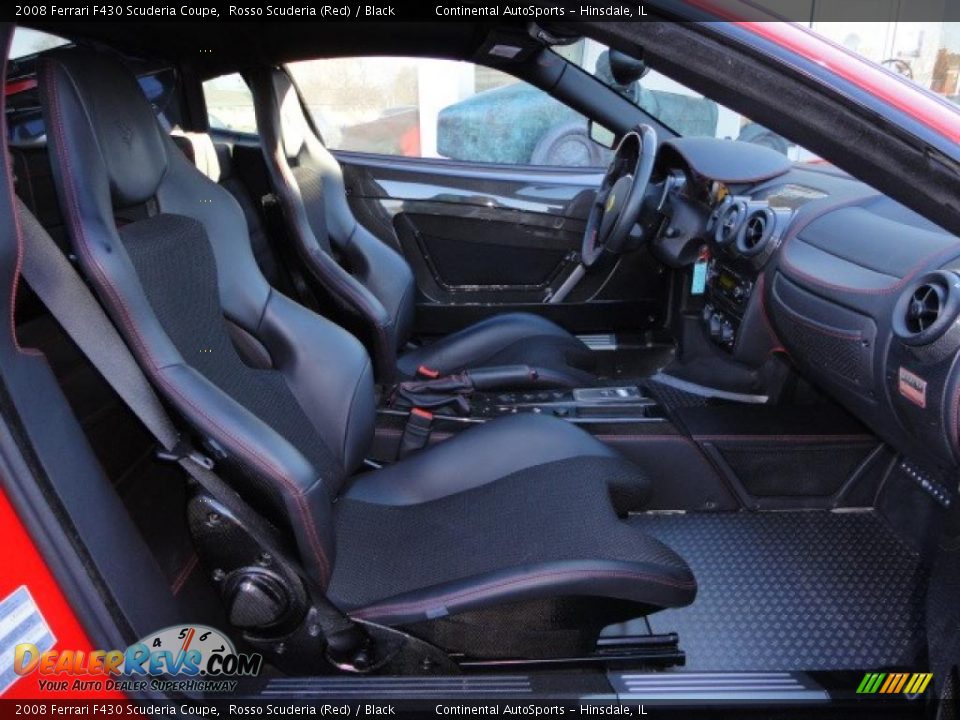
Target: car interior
x=690 y=415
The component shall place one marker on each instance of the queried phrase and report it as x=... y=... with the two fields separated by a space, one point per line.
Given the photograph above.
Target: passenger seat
x=371 y=283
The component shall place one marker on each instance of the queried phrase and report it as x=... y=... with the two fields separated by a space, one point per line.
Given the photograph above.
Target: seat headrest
x=224 y=160
x=293 y=123
x=200 y=150
x=95 y=90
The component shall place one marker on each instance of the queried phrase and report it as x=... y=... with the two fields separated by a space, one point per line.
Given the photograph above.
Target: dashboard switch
x=726 y=332
x=716 y=326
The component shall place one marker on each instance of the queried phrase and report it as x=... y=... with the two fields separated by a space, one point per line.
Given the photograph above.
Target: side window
x=230 y=104
x=416 y=107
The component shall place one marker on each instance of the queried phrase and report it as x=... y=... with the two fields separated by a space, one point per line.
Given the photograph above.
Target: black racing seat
x=508 y=529
x=372 y=283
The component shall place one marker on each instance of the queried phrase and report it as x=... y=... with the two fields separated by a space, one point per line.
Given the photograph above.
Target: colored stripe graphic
x=901 y=682
x=894 y=683
x=918 y=683
x=890 y=682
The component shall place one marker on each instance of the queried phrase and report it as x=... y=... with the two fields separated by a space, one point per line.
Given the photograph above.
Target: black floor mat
x=794 y=591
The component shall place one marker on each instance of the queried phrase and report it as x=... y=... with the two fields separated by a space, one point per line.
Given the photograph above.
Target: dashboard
x=862 y=293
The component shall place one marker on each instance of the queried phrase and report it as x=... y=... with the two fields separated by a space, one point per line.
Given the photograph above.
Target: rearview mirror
x=626 y=69
x=601 y=135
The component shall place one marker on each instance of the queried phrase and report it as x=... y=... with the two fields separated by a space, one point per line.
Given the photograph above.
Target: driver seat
x=371 y=284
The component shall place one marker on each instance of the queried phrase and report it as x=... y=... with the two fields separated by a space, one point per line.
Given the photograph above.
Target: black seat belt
x=61 y=289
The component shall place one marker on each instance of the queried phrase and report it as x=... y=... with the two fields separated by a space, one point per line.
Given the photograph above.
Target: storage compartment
x=789 y=470
x=840 y=343
x=789 y=456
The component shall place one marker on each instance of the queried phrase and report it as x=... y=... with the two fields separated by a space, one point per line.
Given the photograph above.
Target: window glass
x=416 y=107
x=27 y=41
x=25 y=124
x=676 y=106
x=926 y=53
x=230 y=104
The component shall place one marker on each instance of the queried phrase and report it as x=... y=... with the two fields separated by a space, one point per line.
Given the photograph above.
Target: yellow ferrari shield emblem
x=610 y=201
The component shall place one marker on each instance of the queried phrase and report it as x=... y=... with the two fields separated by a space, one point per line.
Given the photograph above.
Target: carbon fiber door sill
x=717 y=687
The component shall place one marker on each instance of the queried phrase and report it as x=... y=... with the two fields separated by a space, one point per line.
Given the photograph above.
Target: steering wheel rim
x=619 y=200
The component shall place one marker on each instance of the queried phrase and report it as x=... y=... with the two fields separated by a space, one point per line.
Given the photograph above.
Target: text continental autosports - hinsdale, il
x=536 y=710
x=450 y=11
x=612 y=10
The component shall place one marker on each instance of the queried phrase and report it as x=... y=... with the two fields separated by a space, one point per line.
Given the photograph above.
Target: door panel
x=488 y=239
x=483 y=251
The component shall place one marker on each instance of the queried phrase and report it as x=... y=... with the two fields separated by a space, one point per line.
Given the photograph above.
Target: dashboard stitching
x=793 y=232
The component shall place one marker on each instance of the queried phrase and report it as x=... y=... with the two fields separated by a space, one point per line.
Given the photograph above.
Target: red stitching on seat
x=18 y=264
x=73 y=209
x=185 y=572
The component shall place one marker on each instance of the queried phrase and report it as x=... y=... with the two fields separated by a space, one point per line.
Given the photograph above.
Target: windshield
x=682 y=110
x=925 y=53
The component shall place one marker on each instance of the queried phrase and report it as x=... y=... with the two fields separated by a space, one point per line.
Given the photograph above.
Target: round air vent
x=928 y=308
x=729 y=222
x=756 y=232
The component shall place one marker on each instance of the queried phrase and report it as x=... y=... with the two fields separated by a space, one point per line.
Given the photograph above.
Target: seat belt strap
x=61 y=289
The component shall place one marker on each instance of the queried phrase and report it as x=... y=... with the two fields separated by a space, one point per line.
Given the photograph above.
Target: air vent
x=756 y=232
x=729 y=222
x=925 y=307
x=928 y=308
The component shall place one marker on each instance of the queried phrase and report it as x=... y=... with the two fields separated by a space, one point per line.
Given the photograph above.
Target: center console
x=627 y=418
x=727 y=294
x=743 y=233
x=581 y=405
x=620 y=404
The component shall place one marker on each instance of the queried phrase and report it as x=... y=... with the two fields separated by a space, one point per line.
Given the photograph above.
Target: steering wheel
x=619 y=201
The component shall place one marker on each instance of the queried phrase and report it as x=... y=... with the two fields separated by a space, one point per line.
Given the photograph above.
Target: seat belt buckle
x=184 y=451
x=427 y=372
x=416 y=433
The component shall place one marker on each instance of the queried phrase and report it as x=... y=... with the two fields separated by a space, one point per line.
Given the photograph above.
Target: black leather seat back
x=176 y=273
x=364 y=277
x=216 y=161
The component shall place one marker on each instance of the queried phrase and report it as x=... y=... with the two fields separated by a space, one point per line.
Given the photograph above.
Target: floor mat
x=794 y=591
x=629 y=365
